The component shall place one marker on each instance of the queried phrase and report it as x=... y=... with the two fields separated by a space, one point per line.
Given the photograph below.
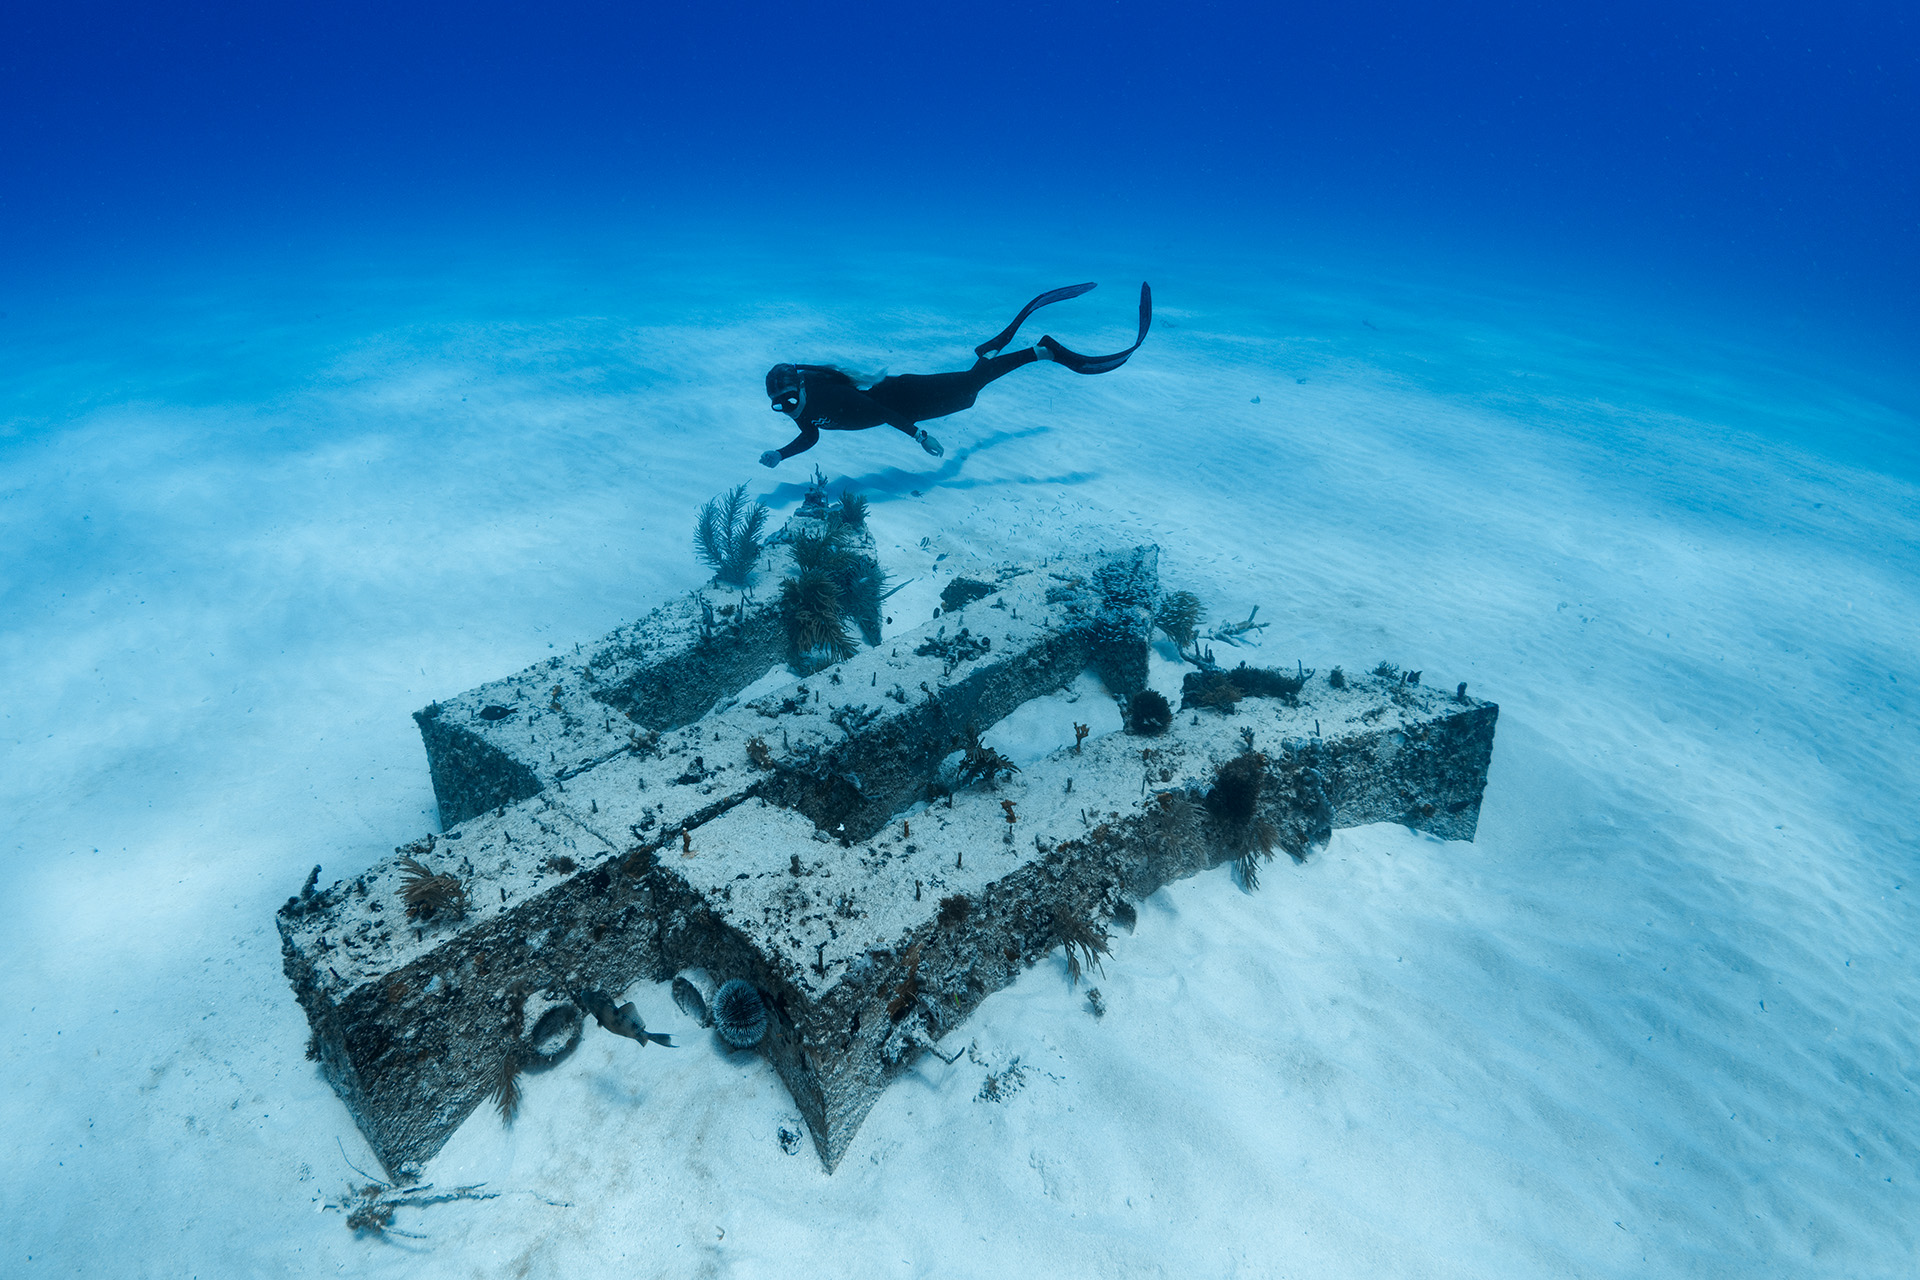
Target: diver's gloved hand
x=928 y=443
x=771 y=458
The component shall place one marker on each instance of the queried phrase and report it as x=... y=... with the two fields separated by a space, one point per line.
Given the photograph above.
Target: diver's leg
x=915 y=397
x=1005 y=336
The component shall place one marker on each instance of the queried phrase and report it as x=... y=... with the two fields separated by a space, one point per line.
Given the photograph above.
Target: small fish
x=495 y=712
x=623 y=1021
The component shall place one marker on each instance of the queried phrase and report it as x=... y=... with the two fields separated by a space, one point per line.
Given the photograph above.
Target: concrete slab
x=788 y=841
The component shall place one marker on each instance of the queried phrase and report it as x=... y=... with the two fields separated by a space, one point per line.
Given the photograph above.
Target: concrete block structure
x=621 y=814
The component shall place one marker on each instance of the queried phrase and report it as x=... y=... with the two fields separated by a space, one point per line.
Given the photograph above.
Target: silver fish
x=622 y=1021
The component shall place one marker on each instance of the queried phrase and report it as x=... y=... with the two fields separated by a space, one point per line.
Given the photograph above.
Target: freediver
x=820 y=397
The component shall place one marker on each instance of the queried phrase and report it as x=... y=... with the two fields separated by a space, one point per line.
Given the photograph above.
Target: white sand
x=1659 y=1019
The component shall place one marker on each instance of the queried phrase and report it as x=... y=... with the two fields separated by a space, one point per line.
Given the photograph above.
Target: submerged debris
x=691 y=1003
x=964 y=591
x=370 y=1207
x=307 y=900
x=1220 y=690
x=1235 y=633
x=1003 y=1084
x=964 y=646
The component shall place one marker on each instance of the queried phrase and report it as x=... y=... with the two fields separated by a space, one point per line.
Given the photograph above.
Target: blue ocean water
x=351 y=356
x=1753 y=155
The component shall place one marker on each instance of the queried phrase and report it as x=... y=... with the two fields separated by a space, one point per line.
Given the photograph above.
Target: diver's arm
x=809 y=436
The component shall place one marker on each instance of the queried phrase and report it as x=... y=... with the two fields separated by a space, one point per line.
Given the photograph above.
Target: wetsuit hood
x=783 y=377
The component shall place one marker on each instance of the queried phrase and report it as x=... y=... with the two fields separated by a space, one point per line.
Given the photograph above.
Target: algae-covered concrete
x=790 y=840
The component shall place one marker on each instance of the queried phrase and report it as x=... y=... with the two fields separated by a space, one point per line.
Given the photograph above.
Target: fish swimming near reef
x=622 y=1021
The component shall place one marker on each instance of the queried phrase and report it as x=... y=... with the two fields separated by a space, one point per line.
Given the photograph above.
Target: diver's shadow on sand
x=895 y=483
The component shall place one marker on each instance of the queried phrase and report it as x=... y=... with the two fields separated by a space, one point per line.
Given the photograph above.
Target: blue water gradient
x=1762 y=154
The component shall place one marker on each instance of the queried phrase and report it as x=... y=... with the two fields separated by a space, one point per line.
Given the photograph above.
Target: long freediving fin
x=992 y=345
x=1101 y=364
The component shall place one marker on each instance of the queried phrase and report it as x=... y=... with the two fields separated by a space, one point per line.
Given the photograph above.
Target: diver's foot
x=928 y=443
x=1043 y=349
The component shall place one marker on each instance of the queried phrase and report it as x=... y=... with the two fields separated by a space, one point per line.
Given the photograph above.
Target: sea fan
x=506 y=1085
x=1084 y=942
x=727 y=535
x=1261 y=838
x=739 y=1014
x=427 y=894
x=982 y=763
x=863 y=585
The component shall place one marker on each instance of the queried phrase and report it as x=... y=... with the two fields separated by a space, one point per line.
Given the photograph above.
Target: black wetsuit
x=828 y=400
x=903 y=401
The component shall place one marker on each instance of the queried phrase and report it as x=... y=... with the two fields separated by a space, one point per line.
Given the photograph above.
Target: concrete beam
x=788 y=841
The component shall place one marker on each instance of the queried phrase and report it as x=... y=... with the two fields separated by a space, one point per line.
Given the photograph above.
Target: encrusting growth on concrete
x=801 y=858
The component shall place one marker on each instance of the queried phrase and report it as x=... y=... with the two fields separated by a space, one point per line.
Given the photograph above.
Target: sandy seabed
x=1658 y=1019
